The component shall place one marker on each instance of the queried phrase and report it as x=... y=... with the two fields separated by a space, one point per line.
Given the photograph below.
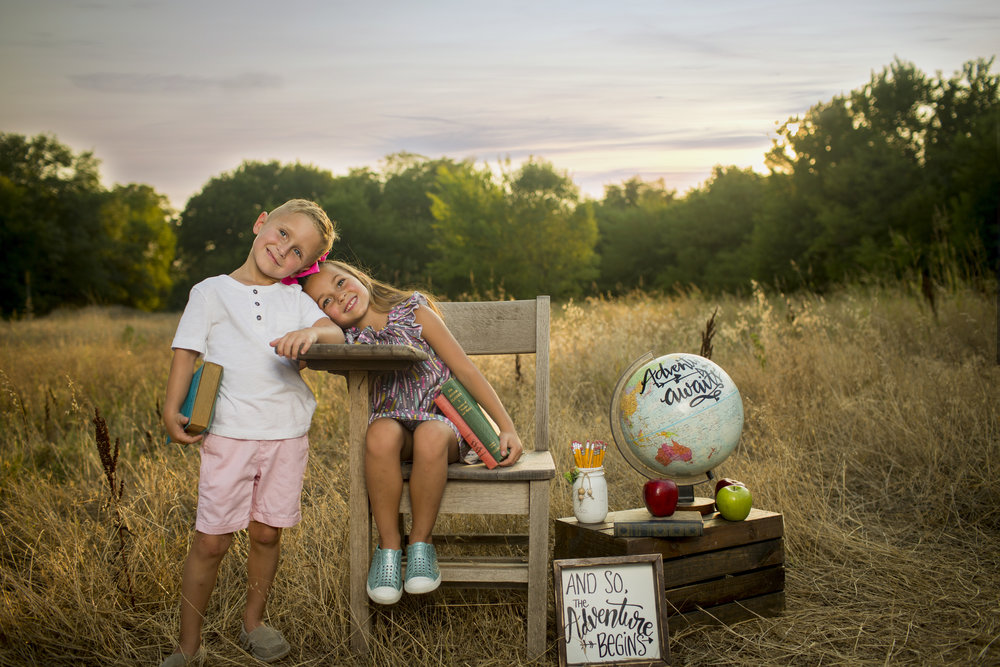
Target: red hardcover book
x=451 y=413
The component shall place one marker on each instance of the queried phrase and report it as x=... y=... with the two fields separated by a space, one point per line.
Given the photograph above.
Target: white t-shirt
x=262 y=395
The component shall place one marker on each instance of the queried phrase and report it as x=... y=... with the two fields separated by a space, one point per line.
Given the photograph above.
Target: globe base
x=698 y=504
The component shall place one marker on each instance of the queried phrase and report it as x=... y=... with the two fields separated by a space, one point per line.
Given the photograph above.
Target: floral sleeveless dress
x=408 y=395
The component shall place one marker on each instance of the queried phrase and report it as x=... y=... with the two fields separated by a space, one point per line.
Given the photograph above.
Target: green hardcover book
x=462 y=401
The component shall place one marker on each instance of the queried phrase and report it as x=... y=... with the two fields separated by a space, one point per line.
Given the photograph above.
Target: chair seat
x=531 y=466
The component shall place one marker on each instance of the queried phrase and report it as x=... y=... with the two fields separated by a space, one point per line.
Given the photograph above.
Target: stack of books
x=457 y=404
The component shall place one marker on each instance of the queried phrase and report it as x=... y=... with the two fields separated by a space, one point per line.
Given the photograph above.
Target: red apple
x=724 y=482
x=660 y=496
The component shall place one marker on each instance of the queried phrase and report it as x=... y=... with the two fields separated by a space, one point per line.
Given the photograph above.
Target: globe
x=676 y=416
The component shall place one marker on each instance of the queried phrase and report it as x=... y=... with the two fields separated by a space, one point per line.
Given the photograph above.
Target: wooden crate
x=733 y=572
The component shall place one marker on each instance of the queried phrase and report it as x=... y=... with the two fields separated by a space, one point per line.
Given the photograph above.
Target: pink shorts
x=242 y=480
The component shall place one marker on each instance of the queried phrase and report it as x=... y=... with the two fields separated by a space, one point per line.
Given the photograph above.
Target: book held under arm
x=457 y=404
x=199 y=405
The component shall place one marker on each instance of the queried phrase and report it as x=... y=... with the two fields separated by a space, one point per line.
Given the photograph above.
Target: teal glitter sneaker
x=422 y=573
x=385 y=576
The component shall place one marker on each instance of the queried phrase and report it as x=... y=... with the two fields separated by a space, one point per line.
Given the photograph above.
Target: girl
x=405 y=424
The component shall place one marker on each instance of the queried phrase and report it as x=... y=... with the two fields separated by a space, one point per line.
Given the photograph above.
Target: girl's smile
x=343 y=298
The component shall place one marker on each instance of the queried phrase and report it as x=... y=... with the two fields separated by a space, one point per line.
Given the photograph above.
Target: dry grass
x=871 y=426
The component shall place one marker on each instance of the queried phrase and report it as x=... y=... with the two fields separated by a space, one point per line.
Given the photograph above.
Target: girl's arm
x=437 y=334
x=181 y=371
x=294 y=343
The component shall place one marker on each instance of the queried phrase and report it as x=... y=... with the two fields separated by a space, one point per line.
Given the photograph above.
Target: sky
x=172 y=93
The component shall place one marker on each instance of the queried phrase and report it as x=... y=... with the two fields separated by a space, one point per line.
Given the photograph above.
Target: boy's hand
x=294 y=343
x=181 y=369
x=176 y=432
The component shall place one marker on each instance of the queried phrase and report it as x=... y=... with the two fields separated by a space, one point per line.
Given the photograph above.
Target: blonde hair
x=321 y=221
x=384 y=297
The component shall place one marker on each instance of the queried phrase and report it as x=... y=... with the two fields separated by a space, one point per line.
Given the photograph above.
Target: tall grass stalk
x=871 y=425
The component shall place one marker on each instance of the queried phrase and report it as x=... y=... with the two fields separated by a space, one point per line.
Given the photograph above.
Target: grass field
x=871 y=424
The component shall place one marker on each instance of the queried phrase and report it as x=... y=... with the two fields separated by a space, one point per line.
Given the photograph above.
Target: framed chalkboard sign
x=609 y=610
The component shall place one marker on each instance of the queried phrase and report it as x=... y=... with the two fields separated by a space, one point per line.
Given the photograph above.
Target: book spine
x=451 y=413
x=188 y=405
x=204 y=403
x=658 y=529
x=473 y=415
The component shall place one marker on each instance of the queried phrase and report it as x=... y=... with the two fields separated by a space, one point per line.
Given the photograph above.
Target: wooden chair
x=492 y=328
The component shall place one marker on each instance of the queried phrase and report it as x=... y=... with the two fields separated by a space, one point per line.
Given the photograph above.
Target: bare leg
x=262 y=563
x=384 y=445
x=434 y=446
x=200 y=572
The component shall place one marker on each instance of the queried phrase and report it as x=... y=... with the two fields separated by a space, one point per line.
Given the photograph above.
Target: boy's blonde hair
x=384 y=297
x=321 y=221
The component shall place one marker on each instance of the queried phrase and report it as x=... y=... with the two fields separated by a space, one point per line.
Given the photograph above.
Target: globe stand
x=687 y=501
x=685 y=494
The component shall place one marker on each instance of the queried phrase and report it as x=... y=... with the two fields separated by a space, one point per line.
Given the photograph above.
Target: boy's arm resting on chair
x=294 y=343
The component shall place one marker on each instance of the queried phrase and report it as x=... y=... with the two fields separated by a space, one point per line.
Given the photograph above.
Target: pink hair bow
x=308 y=271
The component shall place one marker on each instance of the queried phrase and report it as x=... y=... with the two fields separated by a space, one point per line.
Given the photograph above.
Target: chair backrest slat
x=492 y=327
x=508 y=327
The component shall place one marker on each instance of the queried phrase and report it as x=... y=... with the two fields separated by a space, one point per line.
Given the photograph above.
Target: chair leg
x=538 y=560
x=360 y=611
x=359 y=521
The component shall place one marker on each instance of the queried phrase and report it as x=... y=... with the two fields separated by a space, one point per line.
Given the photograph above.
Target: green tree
x=963 y=165
x=629 y=218
x=50 y=225
x=556 y=234
x=470 y=232
x=386 y=218
x=782 y=234
x=408 y=248
x=522 y=233
x=854 y=167
x=142 y=244
x=354 y=201
x=705 y=237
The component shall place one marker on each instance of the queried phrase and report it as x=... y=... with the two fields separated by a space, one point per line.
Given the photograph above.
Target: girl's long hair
x=384 y=297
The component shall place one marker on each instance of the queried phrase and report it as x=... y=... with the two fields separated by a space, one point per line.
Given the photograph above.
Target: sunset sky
x=172 y=93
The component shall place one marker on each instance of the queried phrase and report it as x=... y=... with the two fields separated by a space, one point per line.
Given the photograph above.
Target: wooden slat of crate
x=712 y=564
x=576 y=540
x=683 y=599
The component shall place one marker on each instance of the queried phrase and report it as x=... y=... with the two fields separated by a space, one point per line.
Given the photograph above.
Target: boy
x=254 y=454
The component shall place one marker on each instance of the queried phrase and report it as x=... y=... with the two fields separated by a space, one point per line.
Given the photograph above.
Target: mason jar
x=590 y=495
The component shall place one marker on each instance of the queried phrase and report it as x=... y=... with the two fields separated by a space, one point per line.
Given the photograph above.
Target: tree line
x=898 y=178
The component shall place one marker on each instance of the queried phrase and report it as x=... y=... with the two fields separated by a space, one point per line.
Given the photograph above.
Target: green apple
x=734 y=502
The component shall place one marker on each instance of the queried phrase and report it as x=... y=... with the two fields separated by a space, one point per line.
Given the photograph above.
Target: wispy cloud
x=114 y=82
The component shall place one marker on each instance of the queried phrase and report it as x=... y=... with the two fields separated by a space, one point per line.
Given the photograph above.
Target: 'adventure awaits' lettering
x=684 y=380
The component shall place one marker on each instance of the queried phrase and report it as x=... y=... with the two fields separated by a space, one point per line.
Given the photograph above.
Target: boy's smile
x=283 y=246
